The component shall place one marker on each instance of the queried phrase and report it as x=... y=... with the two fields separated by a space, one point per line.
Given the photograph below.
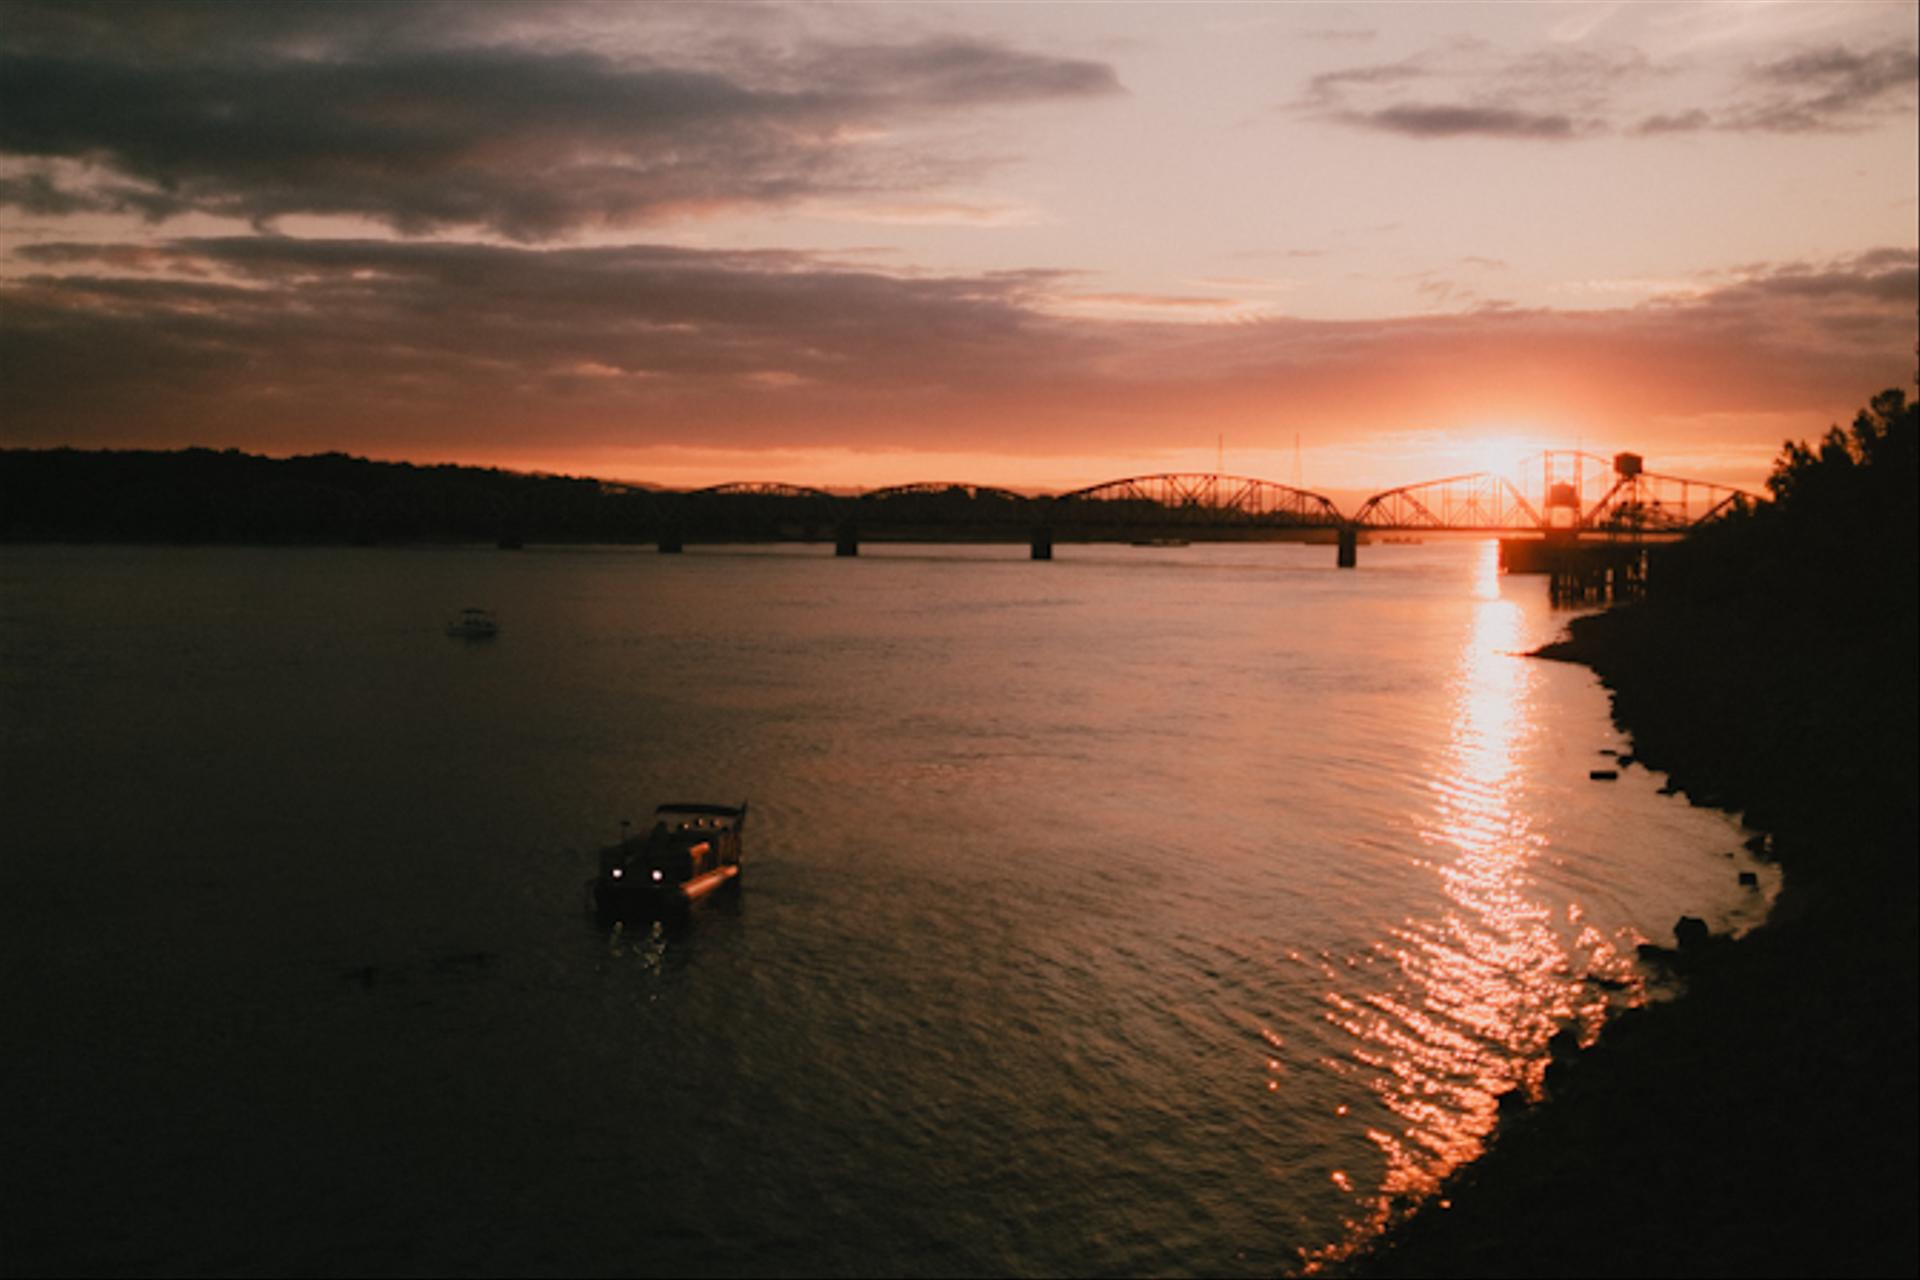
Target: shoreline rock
x=1764 y=1122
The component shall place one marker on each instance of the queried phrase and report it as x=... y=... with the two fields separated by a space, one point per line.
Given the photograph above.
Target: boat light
x=617 y=873
x=656 y=875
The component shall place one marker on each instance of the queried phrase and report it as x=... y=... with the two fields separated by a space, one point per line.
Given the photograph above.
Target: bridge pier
x=1042 y=544
x=846 y=540
x=670 y=541
x=1589 y=571
x=1349 y=553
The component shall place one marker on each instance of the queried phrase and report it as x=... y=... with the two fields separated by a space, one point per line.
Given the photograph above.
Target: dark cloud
x=1423 y=120
x=1873 y=261
x=1560 y=94
x=213 y=31
x=1471 y=90
x=1876 y=280
x=661 y=310
x=38 y=194
x=441 y=338
x=175 y=33
x=266 y=111
x=1827 y=89
x=1675 y=122
x=1325 y=89
x=952 y=72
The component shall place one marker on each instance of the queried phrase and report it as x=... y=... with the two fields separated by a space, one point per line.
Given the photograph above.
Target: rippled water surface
x=1148 y=911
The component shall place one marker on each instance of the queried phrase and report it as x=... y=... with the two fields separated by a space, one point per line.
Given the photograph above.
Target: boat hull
x=617 y=900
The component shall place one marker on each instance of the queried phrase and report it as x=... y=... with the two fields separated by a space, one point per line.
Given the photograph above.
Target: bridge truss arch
x=1483 y=500
x=951 y=491
x=966 y=510
x=1196 y=499
x=755 y=510
x=1652 y=503
x=761 y=489
x=1558 y=490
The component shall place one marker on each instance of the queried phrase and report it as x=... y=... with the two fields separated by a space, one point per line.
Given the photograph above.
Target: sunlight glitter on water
x=1486 y=985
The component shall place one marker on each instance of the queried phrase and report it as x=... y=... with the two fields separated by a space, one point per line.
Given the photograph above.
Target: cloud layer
x=1470 y=89
x=297 y=344
x=261 y=112
x=486 y=192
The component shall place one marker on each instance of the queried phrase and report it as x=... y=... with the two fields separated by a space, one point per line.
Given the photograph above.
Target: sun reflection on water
x=1472 y=995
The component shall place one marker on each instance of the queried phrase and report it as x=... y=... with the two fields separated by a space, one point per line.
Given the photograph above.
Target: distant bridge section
x=1560 y=494
x=1559 y=491
x=1180 y=506
x=1137 y=508
x=936 y=510
x=1194 y=502
x=964 y=511
x=746 y=511
x=1583 y=519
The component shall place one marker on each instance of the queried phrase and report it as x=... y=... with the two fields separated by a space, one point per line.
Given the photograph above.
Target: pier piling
x=1349 y=553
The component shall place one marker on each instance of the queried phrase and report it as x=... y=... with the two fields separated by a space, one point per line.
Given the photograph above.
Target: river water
x=1152 y=910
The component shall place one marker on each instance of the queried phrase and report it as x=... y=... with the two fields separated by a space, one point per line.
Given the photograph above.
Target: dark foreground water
x=1149 y=911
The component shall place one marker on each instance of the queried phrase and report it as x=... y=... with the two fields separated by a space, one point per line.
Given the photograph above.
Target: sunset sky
x=1031 y=245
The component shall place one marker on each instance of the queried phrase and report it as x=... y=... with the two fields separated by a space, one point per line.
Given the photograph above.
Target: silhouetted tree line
x=1773 y=662
x=1836 y=546
x=209 y=496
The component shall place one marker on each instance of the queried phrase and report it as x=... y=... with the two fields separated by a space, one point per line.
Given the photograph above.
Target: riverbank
x=1764 y=1123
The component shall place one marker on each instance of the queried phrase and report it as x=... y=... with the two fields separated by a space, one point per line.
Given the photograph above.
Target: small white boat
x=474 y=624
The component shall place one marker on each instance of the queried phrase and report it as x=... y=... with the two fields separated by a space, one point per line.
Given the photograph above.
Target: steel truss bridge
x=1558 y=491
x=1558 y=494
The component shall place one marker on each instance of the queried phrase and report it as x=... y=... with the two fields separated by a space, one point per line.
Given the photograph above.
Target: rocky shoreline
x=1763 y=1123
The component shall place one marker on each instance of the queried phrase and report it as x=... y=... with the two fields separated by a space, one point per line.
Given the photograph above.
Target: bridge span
x=1557 y=498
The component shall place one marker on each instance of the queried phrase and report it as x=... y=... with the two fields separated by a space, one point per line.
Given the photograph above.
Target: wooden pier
x=1590 y=570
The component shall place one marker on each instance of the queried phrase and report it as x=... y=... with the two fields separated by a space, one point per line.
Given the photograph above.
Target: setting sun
x=1501 y=454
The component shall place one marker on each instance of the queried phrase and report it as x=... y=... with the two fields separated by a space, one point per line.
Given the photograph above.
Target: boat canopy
x=703 y=810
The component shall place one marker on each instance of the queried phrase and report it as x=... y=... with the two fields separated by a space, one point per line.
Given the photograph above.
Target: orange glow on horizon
x=1347 y=474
